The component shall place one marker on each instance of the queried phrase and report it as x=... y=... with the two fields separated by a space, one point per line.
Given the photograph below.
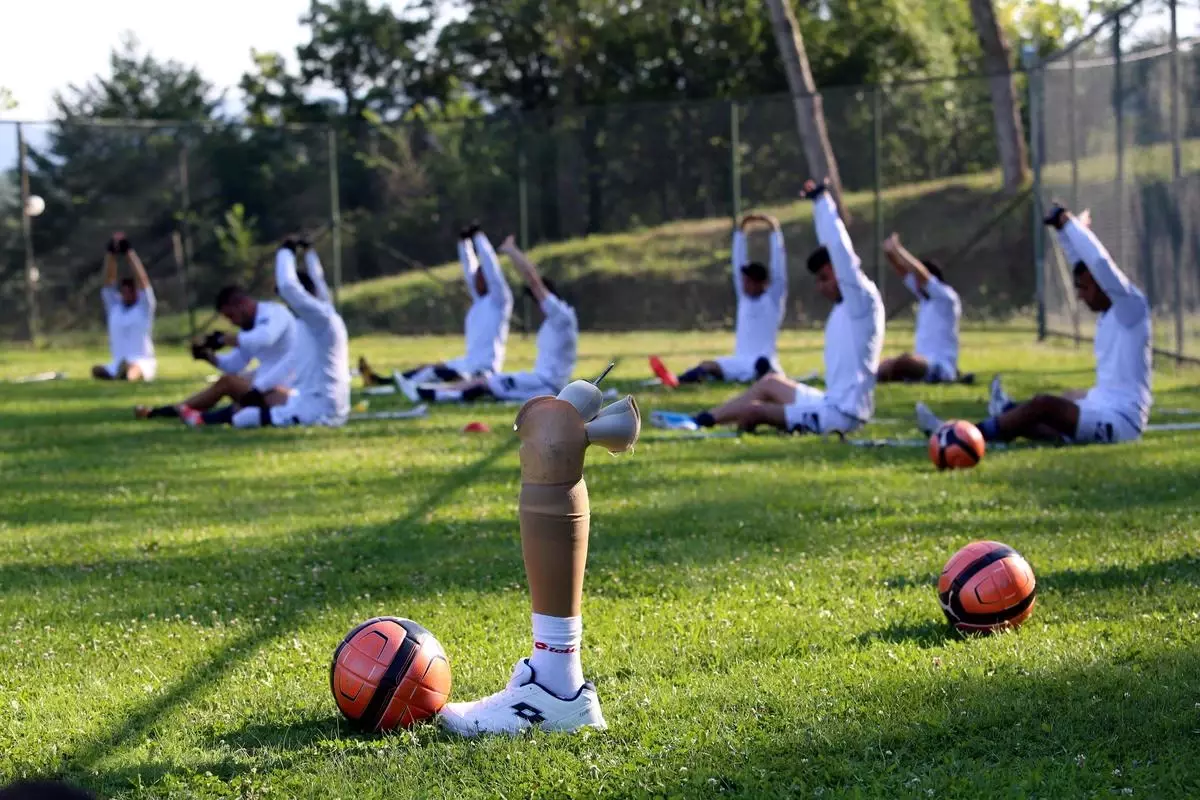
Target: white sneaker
x=998 y=399
x=927 y=421
x=407 y=386
x=523 y=705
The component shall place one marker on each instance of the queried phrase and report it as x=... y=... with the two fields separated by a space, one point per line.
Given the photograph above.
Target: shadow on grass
x=923 y=634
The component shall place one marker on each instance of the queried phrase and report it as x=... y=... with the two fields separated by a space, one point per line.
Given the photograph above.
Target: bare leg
x=1045 y=417
x=773 y=414
x=133 y=373
x=904 y=367
x=232 y=386
x=772 y=388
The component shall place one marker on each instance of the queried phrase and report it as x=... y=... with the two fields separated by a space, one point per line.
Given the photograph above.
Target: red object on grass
x=476 y=427
x=665 y=375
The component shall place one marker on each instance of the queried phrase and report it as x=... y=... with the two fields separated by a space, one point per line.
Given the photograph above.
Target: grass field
x=760 y=613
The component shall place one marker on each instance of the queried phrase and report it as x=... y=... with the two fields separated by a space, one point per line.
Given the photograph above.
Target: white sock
x=447 y=395
x=555 y=659
x=425 y=374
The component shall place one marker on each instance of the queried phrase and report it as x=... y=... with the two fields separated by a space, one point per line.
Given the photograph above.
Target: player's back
x=1124 y=357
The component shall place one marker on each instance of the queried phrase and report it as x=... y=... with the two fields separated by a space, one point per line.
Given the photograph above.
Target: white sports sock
x=250 y=417
x=555 y=660
x=425 y=374
x=447 y=395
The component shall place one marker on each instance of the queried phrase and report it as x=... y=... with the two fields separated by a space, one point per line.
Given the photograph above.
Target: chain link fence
x=629 y=207
x=1115 y=132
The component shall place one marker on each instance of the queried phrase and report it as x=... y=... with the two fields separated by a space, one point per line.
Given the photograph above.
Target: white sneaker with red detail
x=522 y=706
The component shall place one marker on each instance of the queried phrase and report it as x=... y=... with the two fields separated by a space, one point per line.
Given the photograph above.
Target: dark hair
x=818 y=259
x=550 y=285
x=755 y=271
x=1080 y=268
x=307 y=282
x=934 y=268
x=128 y=282
x=227 y=295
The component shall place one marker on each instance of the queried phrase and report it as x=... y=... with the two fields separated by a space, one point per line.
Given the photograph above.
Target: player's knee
x=1044 y=403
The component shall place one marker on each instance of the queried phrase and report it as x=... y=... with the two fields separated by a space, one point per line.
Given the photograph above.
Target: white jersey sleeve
x=287 y=283
x=232 y=362
x=147 y=301
x=312 y=264
x=499 y=292
x=110 y=297
x=739 y=254
x=1080 y=244
x=855 y=286
x=267 y=330
x=779 y=269
x=910 y=283
x=470 y=265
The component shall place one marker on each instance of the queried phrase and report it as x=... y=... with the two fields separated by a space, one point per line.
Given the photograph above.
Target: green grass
x=760 y=612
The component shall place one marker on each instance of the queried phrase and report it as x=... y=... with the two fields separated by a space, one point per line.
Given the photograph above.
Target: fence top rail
x=152 y=124
x=1140 y=55
x=1112 y=17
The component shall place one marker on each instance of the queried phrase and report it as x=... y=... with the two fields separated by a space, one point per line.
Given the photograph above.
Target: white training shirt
x=938 y=313
x=486 y=327
x=322 y=349
x=270 y=341
x=130 y=328
x=854 y=330
x=759 y=318
x=557 y=342
x=1123 y=343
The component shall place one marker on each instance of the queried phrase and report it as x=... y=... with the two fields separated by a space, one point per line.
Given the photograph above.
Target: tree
x=997 y=61
x=810 y=115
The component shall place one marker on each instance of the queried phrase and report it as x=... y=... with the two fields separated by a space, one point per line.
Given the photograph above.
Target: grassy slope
x=760 y=613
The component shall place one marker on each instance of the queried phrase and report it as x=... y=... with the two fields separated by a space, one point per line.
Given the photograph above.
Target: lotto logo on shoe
x=549 y=649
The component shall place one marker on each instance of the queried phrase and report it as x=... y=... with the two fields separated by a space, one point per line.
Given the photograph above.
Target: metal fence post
x=31 y=270
x=735 y=159
x=877 y=169
x=1176 y=183
x=185 y=229
x=1036 y=73
x=1119 y=116
x=335 y=213
x=522 y=185
x=1072 y=136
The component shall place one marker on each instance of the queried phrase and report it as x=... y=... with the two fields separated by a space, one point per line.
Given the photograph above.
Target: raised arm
x=740 y=254
x=832 y=233
x=1080 y=244
x=145 y=290
x=904 y=262
x=312 y=263
x=470 y=265
x=287 y=283
x=779 y=266
x=232 y=361
x=267 y=332
x=526 y=267
x=498 y=288
x=108 y=292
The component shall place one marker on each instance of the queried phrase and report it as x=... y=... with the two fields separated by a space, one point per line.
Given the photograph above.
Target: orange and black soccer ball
x=389 y=673
x=956 y=445
x=986 y=587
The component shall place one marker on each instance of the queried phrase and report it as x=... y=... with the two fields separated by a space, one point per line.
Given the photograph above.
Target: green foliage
x=239 y=250
x=760 y=613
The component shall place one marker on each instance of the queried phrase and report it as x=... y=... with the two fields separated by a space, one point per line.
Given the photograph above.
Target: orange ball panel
x=987 y=586
x=956 y=445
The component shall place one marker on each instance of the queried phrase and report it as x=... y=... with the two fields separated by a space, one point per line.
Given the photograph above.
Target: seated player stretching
x=486 y=326
x=129 y=309
x=321 y=354
x=267 y=333
x=938 y=313
x=761 y=303
x=557 y=345
x=1117 y=407
x=853 y=341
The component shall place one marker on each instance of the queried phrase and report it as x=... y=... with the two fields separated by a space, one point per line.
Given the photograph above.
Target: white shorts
x=810 y=412
x=1102 y=424
x=148 y=366
x=939 y=371
x=735 y=369
x=298 y=410
x=519 y=386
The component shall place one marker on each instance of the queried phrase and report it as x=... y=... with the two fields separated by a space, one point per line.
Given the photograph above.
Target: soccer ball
x=389 y=673
x=986 y=587
x=34 y=206
x=956 y=445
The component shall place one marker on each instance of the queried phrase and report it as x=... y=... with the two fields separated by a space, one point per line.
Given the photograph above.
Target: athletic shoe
x=191 y=417
x=967 y=379
x=998 y=399
x=407 y=386
x=665 y=375
x=522 y=706
x=141 y=412
x=927 y=421
x=673 y=421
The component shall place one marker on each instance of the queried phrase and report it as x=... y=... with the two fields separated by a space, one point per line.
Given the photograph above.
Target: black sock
x=704 y=419
x=474 y=393
x=446 y=374
x=164 y=411
x=694 y=375
x=264 y=417
x=426 y=394
x=762 y=367
x=219 y=416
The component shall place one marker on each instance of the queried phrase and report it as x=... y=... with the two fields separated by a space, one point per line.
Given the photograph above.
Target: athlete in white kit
x=761 y=302
x=486 y=326
x=1117 y=408
x=267 y=332
x=853 y=341
x=321 y=356
x=129 y=311
x=938 y=313
x=557 y=347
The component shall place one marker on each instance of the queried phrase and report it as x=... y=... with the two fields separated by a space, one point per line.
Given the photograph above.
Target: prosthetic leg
x=547 y=690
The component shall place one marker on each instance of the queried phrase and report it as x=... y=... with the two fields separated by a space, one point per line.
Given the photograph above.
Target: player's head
x=128 y=291
x=755 y=279
x=822 y=269
x=236 y=306
x=935 y=269
x=1089 y=291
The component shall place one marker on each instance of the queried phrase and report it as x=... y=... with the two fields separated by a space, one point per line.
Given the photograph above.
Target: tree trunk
x=810 y=114
x=1010 y=137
